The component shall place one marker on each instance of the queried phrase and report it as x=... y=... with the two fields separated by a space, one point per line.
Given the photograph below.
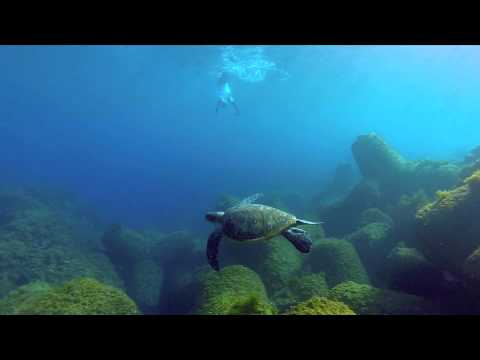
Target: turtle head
x=215 y=216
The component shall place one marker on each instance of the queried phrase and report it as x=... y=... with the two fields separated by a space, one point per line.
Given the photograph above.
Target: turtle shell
x=255 y=222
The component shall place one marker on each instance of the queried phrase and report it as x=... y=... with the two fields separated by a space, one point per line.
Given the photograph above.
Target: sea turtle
x=248 y=221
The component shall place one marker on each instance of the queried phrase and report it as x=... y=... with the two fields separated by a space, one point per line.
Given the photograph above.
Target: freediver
x=225 y=96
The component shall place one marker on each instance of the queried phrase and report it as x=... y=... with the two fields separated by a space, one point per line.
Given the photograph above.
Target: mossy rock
x=320 y=306
x=409 y=271
x=341 y=218
x=234 y=290
x=377 y=160
x=125 y=246
x=448 y=230
x=374 y=215
x=23 y=296
x=22 y=263
x=82 y=296
x=300 y=288
x=282 y=261
x=308 y=286
x=403 y=214
x=373 y=242
x=339 y=260
x=368 y=300
x=146 y=285
x=276 y=260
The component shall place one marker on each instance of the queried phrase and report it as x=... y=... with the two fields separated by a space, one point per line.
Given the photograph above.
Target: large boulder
x=448 y=230
x=339 y=260
x=320 y=306
x=368 y=300
x=82 y=296
x=235 y=290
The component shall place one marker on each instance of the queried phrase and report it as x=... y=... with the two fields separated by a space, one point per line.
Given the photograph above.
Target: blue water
x=133 y=129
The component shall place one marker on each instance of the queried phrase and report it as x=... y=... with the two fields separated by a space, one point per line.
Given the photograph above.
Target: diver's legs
x=299 y=239
x=234 y=104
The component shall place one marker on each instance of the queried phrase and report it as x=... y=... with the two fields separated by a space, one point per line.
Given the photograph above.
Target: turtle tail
x=306 y=222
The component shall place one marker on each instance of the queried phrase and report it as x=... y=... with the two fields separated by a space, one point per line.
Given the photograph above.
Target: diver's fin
x=251 y=199
x=299 y=239
x=212 y=248
x=306 y=222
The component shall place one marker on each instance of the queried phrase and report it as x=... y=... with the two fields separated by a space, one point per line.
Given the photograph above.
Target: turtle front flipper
x=299 y=239
x=212 y=248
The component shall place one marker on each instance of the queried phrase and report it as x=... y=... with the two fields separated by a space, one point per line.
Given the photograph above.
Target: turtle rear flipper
x=299 y=239
x=212 y=248
x=306 y=222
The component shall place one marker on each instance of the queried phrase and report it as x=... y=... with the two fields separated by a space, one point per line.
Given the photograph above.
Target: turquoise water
x=132 y=131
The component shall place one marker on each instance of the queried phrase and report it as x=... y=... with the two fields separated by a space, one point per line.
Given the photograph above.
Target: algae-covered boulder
x=339 y=260
x=448 y=230
x=403 y=214
x=45 y=237
x=408 y=271
x=124 y=246
x=374 y=215
x=341 y=218
x=147 y=285
x=373 y=242
x=82 y=296
x=368 y=300
x=275 y=260
x=300 y=288
x=23 y=262
x=281 y=262
x=234 y=290
x=307 y=286
x=433 y=175
x=396 y=175
x=320 y=306
x=23 y=296
x=377 y=160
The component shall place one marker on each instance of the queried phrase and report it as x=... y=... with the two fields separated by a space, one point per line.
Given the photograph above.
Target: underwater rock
x=275 y=260
x=22 y=262
x=83 y=296
x=374 y=215
x=125 y=246
x=300 y=288
x=377 y=160
x=337 y=188
x=182 y=291
x=147 y=285
x=178 y=249
x=447 y=229
x=281 y=261
x=235 y=290
x=396 y=175
x=473 y=155
x=320 y=306
x=22 y=296
x=403 y=214
x=307 y=286
x=471 y=267
x=339 y=260
x=368 y=300
x=373 y=242
x=433 y=175
x=408 y=271
x=341 y=218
